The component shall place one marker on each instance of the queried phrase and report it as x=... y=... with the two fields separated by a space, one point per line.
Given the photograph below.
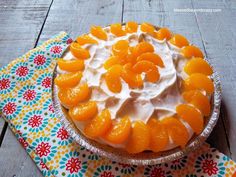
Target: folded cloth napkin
x=26 y=103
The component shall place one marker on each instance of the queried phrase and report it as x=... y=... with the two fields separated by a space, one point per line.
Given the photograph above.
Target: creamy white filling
x=154 y=99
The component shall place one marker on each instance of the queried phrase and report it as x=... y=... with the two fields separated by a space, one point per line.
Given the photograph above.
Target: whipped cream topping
x=154 y=99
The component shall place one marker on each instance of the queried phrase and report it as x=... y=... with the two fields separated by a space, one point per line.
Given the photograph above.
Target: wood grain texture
x=78 y=16
x=21 y=22
x=162 y=13
x=14 y=160
x=219 y=39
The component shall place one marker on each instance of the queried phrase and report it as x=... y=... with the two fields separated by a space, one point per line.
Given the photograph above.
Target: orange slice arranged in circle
x=117 y=30
x=113 y=60
x=198 y=65
x=152 y=57
x=86 y=39
x=147 y=27
x=120 y=48
x=132 y=79
x=72 y=96
x=68 y=79
x=176 y=130
x=84 y=111
x=158 y=135
x=192 y=116
x=201 y=81
x=78 y=51
x=179 y=41
x=200 y=101
x=139 y=138
x=142 y=47
x=112 y=78
x=131 y=27
x=191 y=51
x=71 y=65
x=163 y=33
x=98 y=32
x=99 y=125
x=119 y=132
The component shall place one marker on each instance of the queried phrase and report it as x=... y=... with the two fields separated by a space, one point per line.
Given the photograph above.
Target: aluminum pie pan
x=147 y=157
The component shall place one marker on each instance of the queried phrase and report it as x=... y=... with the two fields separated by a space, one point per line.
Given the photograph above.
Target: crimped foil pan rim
x=144 y=158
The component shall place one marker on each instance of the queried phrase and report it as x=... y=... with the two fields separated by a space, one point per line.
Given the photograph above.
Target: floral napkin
x=26 y=103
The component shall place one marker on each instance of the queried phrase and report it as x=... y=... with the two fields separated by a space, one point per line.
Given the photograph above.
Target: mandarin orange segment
x=147 y=27
x=68 y=79
x=71 y=65
x=179 y=41
x=152 y=57
x=113 y=60
x=79 y=52
x=120 y=48
x=112 y=78
x=86 y=39
x=198 y=65
x=130 y=58
x=99 y=125
x=143 y=66
x=84 y=111
x=132 y=79
x=142 y=47
x=176 y=130
x=72 y=96
x=200 y=101
x=153 y=75
x=158 y=135
x=119 y=131
x=191 y=51
x=192 y=116
x=163 y=33
x=117 y=30
x=201 y=81
x=131 y=27
x=139 y=138
x=98 y=32
x=187 y=86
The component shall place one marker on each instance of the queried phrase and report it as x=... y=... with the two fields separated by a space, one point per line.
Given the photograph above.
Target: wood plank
x=76 y=17
x=162 y=13
x=14 y=161
x=21 y=22
x=218 y=35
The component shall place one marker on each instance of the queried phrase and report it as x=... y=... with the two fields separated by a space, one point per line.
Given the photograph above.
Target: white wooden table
x=26 y=23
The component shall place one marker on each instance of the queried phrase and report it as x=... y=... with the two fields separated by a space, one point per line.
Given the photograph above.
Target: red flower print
x=23 y=142
x=29 y=95
x=9 y=108
x=124 y=165
x=157 y=172
x=62 y=134
x=35 y=121
x=56 y=49
x=73 y=165
x=43 y=166
x=4 y=84
x=43 y=149
x=209 y=167
x=51 y=108
x=46 y=82
x=22 y=71
x=39 y=60
x=107 y=174
x=69 y=41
